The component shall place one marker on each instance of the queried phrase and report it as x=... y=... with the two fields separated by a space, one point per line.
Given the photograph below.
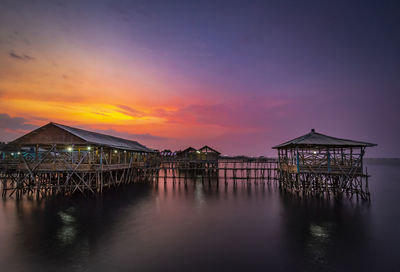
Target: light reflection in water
x=67 y=232
x=199 y=194
x=319 y=241
x=319 y=232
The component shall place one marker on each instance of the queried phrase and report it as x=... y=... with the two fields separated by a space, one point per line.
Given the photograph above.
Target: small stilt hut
x=209 y=153
x=317 y=164
x=200 y=160
x=189 y=153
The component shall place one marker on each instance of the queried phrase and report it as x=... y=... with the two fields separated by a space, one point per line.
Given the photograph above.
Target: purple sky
x=240 y=76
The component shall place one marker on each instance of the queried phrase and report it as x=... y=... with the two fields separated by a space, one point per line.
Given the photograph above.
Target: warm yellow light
x=115 y=151
x=89 y=148
x=19 y=153
x=69 y=149
x=315 y=152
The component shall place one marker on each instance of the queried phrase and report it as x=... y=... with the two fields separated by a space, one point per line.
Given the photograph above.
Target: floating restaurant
x=60 y=159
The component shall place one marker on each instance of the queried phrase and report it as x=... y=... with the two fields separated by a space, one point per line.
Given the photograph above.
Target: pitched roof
x=81 y=136
x=317 y=139
x=189 y=149
x=104 y=140
x=207 y=149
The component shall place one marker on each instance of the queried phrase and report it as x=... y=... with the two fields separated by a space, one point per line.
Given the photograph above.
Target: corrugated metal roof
x=104 y=140
x=317 y=139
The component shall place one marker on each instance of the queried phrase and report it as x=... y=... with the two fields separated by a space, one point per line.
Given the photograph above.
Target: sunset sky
x=240 y=76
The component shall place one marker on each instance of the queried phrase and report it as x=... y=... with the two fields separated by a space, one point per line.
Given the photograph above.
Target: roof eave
x=323 y=145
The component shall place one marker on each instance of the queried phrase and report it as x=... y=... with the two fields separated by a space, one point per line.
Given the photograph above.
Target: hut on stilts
x=63 y=160
x=198 y=161
x=317 y=164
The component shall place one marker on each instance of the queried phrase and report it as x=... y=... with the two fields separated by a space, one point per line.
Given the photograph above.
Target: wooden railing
x=315 y=168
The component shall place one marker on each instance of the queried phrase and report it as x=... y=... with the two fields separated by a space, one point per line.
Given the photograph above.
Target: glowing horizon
x=238 y=77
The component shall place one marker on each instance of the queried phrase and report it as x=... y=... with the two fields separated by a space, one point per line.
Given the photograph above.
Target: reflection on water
x=203 y=227
x=67 y=232
x=318 y=242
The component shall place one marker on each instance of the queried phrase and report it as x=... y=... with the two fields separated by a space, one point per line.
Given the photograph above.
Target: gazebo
x=320 y=164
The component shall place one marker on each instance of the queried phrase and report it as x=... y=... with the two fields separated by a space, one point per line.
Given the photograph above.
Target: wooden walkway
x=256 y=169
x=61 y=177
x=55 y=178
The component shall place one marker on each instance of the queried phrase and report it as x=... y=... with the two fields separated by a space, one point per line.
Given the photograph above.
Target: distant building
x=204 y=153
x=188 y=153
x=209 y=152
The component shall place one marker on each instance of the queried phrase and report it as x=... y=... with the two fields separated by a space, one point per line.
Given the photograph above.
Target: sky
x=240 y=76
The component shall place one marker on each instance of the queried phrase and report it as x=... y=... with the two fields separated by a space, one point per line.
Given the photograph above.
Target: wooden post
x=36 y=153
x=101 y=170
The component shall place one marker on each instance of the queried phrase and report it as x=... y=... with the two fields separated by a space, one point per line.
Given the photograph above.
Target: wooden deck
x=57 y=167
x=225 y=168
x=63 y=176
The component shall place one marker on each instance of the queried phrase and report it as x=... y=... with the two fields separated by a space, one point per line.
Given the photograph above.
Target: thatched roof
x=54 y=133
x=317 y=139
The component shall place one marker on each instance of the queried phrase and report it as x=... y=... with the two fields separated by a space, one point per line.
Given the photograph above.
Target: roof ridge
x=207 y=146
x=73 y=130
x=94 y=132
x=61 y=126
x=323 y=140
x=341 y=139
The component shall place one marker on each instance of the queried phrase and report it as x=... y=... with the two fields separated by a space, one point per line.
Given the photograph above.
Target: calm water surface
x=205 y=228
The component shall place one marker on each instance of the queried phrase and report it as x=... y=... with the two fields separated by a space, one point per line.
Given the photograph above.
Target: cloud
x=46 y=95
x=248 y=113
x=132 y=136
x=14 y=123
x=130 y=111
x=13 y=127
x=14 y=55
